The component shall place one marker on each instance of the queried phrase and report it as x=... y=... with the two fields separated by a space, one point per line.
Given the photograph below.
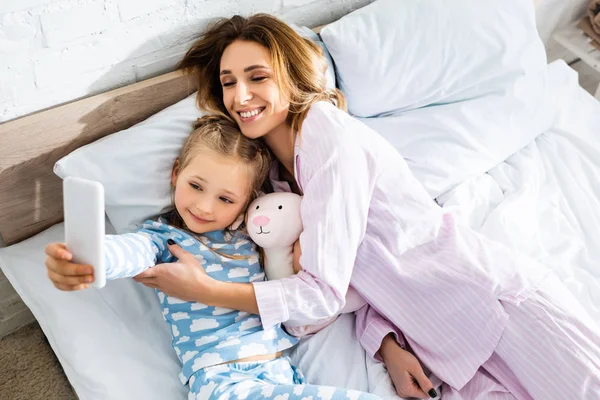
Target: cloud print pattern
x=203 y=336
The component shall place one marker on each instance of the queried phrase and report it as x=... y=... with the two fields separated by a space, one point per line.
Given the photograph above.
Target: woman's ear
x=174 y=172
x=238 y=221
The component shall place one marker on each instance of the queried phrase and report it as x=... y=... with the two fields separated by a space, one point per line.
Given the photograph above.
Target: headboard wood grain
x=30 y=193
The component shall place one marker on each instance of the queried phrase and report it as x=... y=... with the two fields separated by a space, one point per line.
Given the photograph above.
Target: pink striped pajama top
x=368 y=222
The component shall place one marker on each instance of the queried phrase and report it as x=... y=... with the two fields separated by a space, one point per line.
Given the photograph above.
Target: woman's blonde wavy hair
x=298 y=63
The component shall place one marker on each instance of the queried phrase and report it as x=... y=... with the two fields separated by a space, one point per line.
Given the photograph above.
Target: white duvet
x=544 y=200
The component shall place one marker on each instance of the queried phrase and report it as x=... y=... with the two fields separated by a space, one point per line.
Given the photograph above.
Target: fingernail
x=89 y=279
x=432 y=393
x=170 y=242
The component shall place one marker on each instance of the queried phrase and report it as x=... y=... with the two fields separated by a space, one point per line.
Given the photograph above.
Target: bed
x=527 y=178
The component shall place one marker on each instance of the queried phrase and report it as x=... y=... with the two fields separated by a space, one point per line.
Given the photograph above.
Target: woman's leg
x=276 y=379
x=550 y=348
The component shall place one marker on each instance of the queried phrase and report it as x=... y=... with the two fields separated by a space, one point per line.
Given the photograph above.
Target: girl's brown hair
x=222 y=136
x=298 y=63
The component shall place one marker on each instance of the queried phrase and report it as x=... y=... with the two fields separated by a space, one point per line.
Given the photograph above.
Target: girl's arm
x=125 y=255
x=130 y=254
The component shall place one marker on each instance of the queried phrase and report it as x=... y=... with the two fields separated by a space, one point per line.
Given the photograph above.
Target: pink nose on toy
x=261 y=220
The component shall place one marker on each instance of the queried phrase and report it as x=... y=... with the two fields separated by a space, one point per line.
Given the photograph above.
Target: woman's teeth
x=250 y=113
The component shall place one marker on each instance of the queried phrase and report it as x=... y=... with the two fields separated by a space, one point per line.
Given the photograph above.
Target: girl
x=224 y=353
x=485 y=320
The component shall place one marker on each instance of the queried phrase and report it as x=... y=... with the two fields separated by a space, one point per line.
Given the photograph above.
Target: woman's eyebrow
x=247 y=69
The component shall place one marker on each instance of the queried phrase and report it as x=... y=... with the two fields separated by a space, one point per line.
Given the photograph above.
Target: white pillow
x=456 y=87
x=397 y=55
x=445 y=145
x=134 y=165
x=114 y=344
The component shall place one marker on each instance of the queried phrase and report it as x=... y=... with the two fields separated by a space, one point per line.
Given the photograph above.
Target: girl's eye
x=259 y=78
x=226 y=84
x=225 y=200
x=195 y=187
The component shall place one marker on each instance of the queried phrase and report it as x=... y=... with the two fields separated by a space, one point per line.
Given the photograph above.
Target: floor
x=33 y=371
x=30 y=370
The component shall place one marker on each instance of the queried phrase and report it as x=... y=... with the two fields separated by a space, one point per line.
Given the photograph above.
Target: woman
x=482 y=318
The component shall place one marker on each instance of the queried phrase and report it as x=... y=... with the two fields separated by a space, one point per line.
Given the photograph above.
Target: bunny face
x=274 y=220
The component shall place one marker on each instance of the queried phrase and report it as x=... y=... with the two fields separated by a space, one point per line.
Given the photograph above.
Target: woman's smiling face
x=250 y=91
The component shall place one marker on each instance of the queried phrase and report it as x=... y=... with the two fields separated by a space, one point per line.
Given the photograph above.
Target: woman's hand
x=297 y=254
x=184 y=279
x=405 y=370
x=64 y=274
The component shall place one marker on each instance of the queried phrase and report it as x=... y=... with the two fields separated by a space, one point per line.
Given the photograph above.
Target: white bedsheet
x=545 y=199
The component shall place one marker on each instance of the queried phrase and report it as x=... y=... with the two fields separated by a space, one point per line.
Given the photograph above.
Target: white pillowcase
x=134 y=165
x=397 y=55
x=456 y=87
x=447 y=144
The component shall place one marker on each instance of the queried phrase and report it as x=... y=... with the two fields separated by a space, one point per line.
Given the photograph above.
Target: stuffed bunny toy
x=274 y=223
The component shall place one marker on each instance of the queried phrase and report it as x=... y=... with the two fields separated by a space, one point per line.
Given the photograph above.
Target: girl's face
x=210 y=192
x=250 y=93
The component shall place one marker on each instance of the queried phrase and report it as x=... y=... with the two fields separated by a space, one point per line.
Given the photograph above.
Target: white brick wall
x=54 y=51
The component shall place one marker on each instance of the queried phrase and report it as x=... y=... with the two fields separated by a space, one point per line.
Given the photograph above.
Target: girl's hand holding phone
x=64 y=274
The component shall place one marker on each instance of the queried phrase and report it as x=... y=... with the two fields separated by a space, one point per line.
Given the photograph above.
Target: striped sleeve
x=129 y=254
x=371 y=328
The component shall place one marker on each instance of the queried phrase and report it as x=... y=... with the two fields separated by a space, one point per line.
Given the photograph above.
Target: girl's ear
x=238 y=221
x=174 y=172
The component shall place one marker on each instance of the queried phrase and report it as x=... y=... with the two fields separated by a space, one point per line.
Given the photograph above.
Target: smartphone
x=84 y=224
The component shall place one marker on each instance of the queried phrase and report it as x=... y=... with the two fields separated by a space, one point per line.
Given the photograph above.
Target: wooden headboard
x=30 y=193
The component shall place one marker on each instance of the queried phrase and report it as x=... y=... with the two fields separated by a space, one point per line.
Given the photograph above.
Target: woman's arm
x=372 y=328
x=385 y=342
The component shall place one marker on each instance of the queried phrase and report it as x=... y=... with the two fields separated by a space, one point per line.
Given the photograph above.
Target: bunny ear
x=238 y=221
